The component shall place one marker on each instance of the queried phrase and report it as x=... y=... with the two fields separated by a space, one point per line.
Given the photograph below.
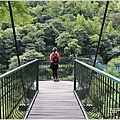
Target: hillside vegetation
x=72 y=26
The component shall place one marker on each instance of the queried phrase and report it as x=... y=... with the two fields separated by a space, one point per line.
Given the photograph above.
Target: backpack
x=55 y=58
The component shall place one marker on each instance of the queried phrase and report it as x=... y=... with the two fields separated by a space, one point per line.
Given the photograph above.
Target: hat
x=54 y=49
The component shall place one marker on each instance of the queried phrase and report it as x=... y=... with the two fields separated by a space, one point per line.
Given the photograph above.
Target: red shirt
x=54 y=54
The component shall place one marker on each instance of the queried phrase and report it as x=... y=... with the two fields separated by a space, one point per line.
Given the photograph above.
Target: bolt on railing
x=17 y=89
x=98 y=91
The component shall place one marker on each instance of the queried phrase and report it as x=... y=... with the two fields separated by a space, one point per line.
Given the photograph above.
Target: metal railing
x=18 y=87
x=99 y=92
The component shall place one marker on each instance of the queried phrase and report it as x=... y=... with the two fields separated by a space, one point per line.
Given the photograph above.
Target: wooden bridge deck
x=56 y=100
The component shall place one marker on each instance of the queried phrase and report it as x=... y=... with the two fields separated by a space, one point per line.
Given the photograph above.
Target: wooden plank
x=56 y=100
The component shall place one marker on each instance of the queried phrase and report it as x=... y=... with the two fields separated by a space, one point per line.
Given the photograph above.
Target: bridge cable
x=107 y=3
x=15 y=40
x=14 y=34
x=101 y=33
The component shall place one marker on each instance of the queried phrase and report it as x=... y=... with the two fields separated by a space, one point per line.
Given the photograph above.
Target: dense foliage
x=72 y=26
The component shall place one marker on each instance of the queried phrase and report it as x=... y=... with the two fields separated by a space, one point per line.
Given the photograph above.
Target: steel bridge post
x=74 y=76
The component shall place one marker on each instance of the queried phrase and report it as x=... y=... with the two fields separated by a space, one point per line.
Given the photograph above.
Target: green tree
x=32 y=37
x=58 y=25
x=114 y=61
x=50 y=33
x=80 y=20
x=110 y=47
x=40 y=14
x=63 y=39
x=73 y=49
x=21 y=16
x=109 y=28
x=7 y=48
x=29 y=55
x=115 y=18
x=67 y=23
x=114 y=52
x=94 y=41
x=68 y=43
x=92 y=26
x=21 y=13
x=54 y=8
x=90 y=9
x=112 y=69
x=83 y=40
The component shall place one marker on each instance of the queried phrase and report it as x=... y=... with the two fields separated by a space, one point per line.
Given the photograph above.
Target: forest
x=72 y=26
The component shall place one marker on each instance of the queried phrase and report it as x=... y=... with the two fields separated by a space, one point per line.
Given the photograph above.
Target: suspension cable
x=97 y=50
x=14 y=34
x=107 y=3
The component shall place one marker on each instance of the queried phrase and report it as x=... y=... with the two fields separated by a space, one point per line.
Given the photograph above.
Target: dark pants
x=54 y=70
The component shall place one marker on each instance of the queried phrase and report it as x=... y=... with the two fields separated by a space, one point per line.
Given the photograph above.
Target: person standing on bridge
x=54 y=59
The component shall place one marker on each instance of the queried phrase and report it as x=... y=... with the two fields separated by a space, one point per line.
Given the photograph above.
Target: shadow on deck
x=56 y=100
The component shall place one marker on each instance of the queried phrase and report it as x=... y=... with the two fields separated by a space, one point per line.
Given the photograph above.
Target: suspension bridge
x=91 y=94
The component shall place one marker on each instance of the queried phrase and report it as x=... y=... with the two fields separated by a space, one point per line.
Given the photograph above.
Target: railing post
x=74 y=75
x=74 y=84
x=37 y=82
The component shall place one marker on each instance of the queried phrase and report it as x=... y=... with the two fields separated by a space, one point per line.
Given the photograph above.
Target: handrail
x=12 y=86
x=98 y=91
x=16 y=69
x=99 y=71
